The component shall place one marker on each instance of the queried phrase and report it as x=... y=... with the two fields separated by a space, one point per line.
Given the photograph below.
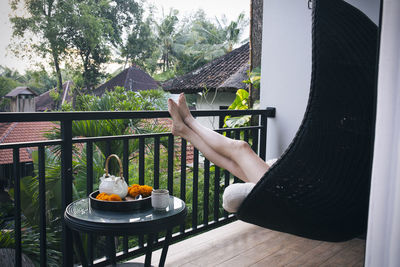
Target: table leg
x=79 y=248
x=110 y=246
x=165 y=248
x=150 y=241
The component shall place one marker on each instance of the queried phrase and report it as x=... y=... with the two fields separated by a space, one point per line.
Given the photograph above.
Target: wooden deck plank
x=242 y=244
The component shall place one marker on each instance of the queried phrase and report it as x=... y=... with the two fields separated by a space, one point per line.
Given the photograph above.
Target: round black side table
x=80 y=217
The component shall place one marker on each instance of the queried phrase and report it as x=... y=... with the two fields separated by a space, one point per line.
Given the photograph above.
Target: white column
x=383 y=238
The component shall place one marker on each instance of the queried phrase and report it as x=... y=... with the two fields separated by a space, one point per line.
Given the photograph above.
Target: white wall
x=286 y=65
x=212 y=101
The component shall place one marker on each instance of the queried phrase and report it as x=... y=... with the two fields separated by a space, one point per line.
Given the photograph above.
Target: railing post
x=66 y=188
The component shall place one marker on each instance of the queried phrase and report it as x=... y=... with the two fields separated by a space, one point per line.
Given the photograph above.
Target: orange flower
x=114 y=197
x=145 y=190
x=102 y=196
x=134 y=190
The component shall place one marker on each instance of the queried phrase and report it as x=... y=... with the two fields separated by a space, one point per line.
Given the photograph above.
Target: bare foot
x=178 y=126
x=184 y=110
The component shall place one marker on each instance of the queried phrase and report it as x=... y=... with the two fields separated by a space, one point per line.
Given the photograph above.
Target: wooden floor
x=242 y=244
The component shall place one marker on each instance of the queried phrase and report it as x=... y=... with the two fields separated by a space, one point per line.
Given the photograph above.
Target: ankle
x=189 y=120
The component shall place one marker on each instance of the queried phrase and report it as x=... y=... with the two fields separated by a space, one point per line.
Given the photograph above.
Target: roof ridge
x=10 y=129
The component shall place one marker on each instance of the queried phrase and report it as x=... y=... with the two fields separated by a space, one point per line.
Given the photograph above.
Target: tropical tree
x=141 y=46
x=201 y=40
x=166 y=33
x=44 y=20
x=84 y=30
x=93 y=28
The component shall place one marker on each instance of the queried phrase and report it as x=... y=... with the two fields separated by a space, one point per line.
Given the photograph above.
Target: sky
x=213 y=8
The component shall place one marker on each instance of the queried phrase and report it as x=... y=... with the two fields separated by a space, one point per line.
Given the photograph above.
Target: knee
x=234 y=195
x=241 y=146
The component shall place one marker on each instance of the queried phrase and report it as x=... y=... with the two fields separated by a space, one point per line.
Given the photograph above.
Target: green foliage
x=30 y=236
x=6 y=210
x=241 y=102
x=175 y=46
x=254 y=78
x=6 y=85
x=200 y=40
x=37 y=80
x=164 y=76
x=88 y=28
x=31 y=212
x=141 y=46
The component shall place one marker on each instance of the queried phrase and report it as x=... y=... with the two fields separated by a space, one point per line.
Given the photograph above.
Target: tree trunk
x=256 y=20
x=59 y=76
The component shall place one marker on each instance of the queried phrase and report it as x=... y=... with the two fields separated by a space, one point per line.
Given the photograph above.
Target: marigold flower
x=102 y=196
x=134 y=190
x=114 y=197
x=145 y=190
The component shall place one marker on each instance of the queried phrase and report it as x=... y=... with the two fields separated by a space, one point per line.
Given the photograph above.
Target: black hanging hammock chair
x=319 y=188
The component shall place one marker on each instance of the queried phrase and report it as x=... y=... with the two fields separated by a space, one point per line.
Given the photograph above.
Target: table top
x=81 y=217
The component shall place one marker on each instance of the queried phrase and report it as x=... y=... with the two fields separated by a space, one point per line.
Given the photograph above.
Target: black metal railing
x=206 y=213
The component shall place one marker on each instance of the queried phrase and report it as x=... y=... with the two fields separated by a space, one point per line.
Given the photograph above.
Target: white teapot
x=111 y=184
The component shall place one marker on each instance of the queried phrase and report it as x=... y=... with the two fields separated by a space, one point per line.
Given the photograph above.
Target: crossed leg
x=234 y=155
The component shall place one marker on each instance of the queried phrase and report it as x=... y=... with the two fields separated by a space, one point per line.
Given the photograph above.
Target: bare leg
x=179 y=128
x=237 y=151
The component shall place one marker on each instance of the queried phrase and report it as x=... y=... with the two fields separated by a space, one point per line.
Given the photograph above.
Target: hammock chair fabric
x=319 y=188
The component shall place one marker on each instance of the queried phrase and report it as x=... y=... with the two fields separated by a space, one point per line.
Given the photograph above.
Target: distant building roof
x=132 y=79
x=15 y=132
x=21 y=91
x=225 y=73
x=45 y=102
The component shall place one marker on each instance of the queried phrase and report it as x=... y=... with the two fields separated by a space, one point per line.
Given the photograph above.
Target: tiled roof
x=132 y=79
x=21 y=132
x=225 y=73
x=21 y=91
x=45 y=102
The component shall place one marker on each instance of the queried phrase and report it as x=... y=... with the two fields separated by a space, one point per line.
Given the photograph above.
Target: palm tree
x=166 y=33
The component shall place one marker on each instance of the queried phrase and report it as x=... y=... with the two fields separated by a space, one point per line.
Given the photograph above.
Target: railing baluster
x=108 y=148
x=171 y=164
x=216 y=193
x=17 y=206
x=195 y=202
x=227 y=176
x=42 y=207
x=254 y=145
x=89 y=167
x=89 y=189
x=141 y=161
x=156 y=178
x=183 y=176
x=237 y=137
x=206 y=190
x=156 y=162
x=66 y=188
x=125 y=164
x=246 y=136
x=141 y=176
x=263 y=135
x=226 y=184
